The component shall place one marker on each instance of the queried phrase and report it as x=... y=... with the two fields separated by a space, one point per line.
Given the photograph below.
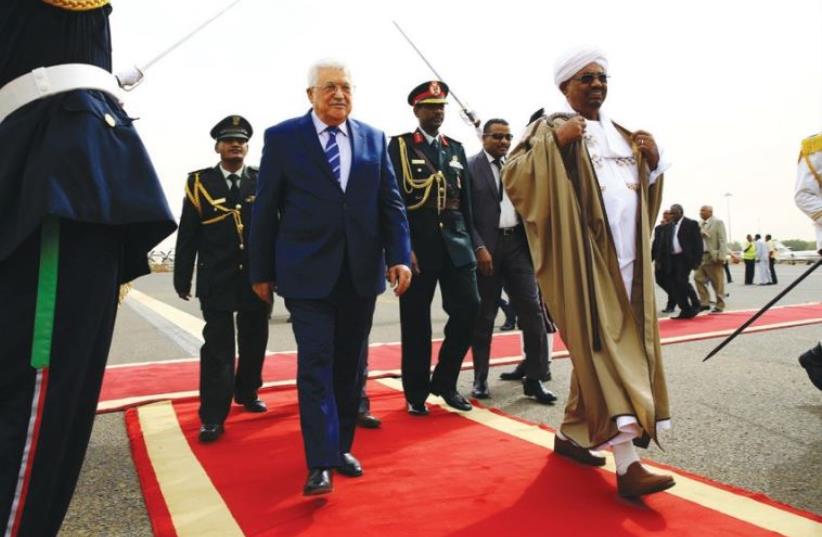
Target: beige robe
x=578 y=272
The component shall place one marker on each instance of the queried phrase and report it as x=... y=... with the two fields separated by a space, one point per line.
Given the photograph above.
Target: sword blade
x=185 y=38
x=424 y=59
x=765 y=308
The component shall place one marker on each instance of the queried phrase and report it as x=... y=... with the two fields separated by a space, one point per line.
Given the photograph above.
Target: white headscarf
x=572 y=60
x=567 y=65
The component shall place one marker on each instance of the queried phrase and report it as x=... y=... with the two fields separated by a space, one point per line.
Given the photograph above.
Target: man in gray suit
x=503 y=257
x=714 y=252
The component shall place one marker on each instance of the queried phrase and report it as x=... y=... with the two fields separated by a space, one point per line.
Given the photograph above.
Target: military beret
x=232 y=127
x=432 y=92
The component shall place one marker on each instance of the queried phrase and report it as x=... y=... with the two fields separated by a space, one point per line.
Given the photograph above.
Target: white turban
x=571 y=61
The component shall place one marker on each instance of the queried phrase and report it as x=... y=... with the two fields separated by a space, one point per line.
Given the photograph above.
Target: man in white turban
x=589 y=191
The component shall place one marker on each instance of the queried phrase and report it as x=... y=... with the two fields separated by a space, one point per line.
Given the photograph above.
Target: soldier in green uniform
x=213 y=228
x=433 y=177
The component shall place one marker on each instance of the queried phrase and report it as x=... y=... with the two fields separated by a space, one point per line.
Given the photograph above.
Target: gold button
x=242 y=247
x=110 y=120
x=442 y=225
x=238 y=206
x=241 y=267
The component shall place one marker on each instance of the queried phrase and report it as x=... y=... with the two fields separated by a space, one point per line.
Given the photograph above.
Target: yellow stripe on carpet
x=720 y=500
x=196 y=508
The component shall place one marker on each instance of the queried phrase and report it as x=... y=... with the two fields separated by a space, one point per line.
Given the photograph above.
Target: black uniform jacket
x=215 y=232
x=430 y=227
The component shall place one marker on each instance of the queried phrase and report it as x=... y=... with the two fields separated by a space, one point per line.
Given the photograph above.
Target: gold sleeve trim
x=77 y=5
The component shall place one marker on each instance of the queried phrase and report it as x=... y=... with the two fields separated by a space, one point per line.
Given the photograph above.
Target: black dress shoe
x=417 y=409
x=455 y=400
x=685 y=314
x=480 y=391
x=318 y=482
x=812 y=362
x=668 y=310
x=255 y=405
x=535 y=389
x=209 y=432
x=368 y=421
x=350 y=466
x=509 y=325
x=704 y=308
x=517 y=374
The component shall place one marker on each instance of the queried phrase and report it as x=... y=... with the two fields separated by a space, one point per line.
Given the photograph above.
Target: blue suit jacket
x=303 y=224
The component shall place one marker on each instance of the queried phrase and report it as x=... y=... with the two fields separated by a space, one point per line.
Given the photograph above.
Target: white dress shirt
x=677 y=247
x=507 y=213
x=343 y=143
x=238 y=173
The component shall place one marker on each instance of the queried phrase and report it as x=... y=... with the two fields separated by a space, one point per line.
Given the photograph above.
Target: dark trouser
x=460 y=300
x=86 y=305
x=773 y=270
x=365 y=403
x=681 y=288
x=663 y=281
x=331 y=334
x=512 y=264
x=217 y=378
x=728 y=273
x=749 y=271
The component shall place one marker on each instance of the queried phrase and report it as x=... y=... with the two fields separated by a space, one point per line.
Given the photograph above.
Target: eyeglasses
x=330 y=88
x=588 y=78
x=498 y=136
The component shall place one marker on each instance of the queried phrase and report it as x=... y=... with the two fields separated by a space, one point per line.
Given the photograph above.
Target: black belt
x=505 y=231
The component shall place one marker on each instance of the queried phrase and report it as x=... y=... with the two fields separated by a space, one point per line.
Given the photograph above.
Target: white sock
x=624 y=455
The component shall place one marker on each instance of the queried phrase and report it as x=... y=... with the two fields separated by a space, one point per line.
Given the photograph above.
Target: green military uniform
x=214 y=229
x=435 y=183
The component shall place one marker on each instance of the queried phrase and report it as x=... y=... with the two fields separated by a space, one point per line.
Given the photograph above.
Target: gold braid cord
x=410 y=184
x=77 y=5
x=194 y=198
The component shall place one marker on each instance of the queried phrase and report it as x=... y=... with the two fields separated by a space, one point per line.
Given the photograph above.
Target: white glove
x=129 y=78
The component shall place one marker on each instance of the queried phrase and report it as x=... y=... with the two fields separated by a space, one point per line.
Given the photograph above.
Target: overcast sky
x=728 y=88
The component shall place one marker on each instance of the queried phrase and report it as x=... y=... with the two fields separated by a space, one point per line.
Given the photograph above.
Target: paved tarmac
x=749 y=417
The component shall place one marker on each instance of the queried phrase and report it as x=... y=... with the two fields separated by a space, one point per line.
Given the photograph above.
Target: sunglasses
x=498 y=136
x=589 y=78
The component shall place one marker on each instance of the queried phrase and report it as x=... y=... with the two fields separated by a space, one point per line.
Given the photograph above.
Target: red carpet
x=124 y=386
x=473 y=475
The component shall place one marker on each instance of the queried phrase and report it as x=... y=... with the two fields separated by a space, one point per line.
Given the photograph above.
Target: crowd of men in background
x=682 y=246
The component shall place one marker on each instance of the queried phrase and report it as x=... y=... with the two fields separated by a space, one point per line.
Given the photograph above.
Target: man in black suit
x=214 y=228
x=661 y=278
x=502 y=255
x=682 y=253
x=435 y=180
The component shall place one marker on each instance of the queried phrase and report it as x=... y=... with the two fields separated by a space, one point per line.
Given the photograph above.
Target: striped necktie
x=332 y=151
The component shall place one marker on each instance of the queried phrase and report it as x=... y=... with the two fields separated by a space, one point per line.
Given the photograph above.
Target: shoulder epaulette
x=77 y=5
x=195 y=172
x=812 y=144
x=403 y=135
x=452 y=141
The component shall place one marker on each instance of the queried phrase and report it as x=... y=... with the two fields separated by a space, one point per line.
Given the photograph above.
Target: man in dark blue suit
x=328 y=218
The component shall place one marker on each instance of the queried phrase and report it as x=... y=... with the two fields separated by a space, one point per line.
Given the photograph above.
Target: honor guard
x=808 y=197
x=214 y=230
x=80 y=208
x=433 y=177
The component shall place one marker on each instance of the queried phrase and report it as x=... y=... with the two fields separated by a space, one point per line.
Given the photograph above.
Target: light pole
x=728 y=210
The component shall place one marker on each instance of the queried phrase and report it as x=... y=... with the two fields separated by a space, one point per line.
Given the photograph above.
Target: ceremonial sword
x=765 y=308
x=131 y=78
x=468 y=115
